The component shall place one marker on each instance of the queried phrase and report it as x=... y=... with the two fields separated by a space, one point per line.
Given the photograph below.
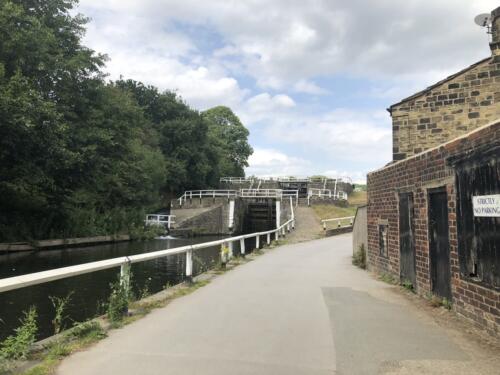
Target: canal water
x=90 y=292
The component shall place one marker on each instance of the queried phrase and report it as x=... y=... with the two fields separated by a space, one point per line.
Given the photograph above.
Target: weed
x=446 y=303
x=78 y=337
x=85 y=330
x=59 y=304
x=145 y=289
x=118 y=302
x=387 y=278
x=436 y=301
x=359 y=257
x=408 y=285
x=17 y=346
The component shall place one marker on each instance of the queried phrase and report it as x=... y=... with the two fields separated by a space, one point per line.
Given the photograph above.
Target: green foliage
x=81 y=157
x=118 y=302
x=17 y=346
x=359 y=257
x=387 y=278
x=88 y=329
x=59 y=304
x=230 y=139
x=407 y=284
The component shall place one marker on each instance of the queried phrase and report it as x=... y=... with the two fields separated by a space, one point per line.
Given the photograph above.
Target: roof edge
x=429 y=88
x=463 y=136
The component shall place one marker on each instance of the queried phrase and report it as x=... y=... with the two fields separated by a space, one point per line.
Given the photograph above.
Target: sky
x=311 y=80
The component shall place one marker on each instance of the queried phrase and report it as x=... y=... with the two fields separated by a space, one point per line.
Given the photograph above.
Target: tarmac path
x=298 y=309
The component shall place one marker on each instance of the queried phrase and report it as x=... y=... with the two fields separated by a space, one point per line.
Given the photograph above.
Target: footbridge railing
x=325 y=193
x=190 y=194
x=160 y=220
x=243 y=193
x=125 y=263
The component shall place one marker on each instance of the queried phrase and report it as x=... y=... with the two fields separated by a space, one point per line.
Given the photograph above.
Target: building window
x=382 y=239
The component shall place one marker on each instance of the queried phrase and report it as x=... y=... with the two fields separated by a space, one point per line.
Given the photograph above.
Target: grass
x=357 y=198
x=77 y=338
x=330 y=211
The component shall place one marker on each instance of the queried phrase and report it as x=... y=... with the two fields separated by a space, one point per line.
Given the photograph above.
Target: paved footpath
x=299 y=309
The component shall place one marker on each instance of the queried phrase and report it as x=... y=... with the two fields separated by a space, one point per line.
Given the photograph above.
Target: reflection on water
x=91 y=290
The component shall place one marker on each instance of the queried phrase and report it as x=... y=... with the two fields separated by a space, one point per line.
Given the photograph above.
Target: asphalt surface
x=299 y=309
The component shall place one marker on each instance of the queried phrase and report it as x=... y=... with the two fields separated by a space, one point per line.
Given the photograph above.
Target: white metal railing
x=261 y=193
x=320 y=192
x=243 y=193
x=190 y=194
x=291 y=193
x=160 y=220
x=339 y=220
x=323 y=180
x=236 y=180
x=124 y=263
x=325 y=193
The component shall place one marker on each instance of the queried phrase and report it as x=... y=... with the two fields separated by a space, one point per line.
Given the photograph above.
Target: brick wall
x=418 y=174
x=451 y=108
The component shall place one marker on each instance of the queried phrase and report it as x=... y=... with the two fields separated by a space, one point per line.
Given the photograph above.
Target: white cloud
x=308 y=87
x=283 y=42
x=270 y=162
x=255 y=55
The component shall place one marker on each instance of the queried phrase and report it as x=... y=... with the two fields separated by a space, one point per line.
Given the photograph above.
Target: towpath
x=299 y=309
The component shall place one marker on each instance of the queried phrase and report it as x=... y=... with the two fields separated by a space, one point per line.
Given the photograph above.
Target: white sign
x=486 y=205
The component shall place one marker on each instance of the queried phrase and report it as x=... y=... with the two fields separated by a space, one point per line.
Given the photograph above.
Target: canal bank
x=90 y=292
x=61 y=243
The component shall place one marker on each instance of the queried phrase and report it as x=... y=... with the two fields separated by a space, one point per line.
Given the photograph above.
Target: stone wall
x=418 y=174
x=451 y=108
x=360 y=230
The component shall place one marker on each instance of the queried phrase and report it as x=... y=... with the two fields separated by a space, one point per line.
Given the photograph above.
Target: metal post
x=324 y=225
x=277 y=234
x=288 y=227
x=224 y=255
x=351 y=221
x=230 y=249
x=125 y=276
x=189 y=265
x=278 y=213
x=338 y=223
x=268 y=239
x=257 y=242
x=242 y=246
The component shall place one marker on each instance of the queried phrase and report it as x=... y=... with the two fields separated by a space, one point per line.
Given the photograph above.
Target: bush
x=17 y=346
x=359 y=257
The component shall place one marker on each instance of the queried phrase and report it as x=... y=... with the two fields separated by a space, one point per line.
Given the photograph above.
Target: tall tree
x=182 y=136
x=231 y=140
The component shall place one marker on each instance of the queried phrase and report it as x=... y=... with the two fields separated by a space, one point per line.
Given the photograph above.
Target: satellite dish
x=483 y=20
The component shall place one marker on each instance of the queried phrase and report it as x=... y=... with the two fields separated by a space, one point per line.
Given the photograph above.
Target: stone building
x=434 y=212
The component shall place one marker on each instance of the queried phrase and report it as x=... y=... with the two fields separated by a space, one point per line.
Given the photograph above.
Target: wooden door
x=407 y=239
x=439 y=244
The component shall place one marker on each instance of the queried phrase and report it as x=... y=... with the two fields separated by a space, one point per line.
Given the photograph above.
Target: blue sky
x=311 y=80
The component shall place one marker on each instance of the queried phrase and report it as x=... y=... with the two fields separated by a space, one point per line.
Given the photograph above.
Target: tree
x=182 y=137
x=231 y=140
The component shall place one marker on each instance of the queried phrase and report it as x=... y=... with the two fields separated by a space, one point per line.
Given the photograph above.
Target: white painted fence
x=160 y=220
x=340 y=221
x=124 y=263
x=243 y=193
x=190 y=194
